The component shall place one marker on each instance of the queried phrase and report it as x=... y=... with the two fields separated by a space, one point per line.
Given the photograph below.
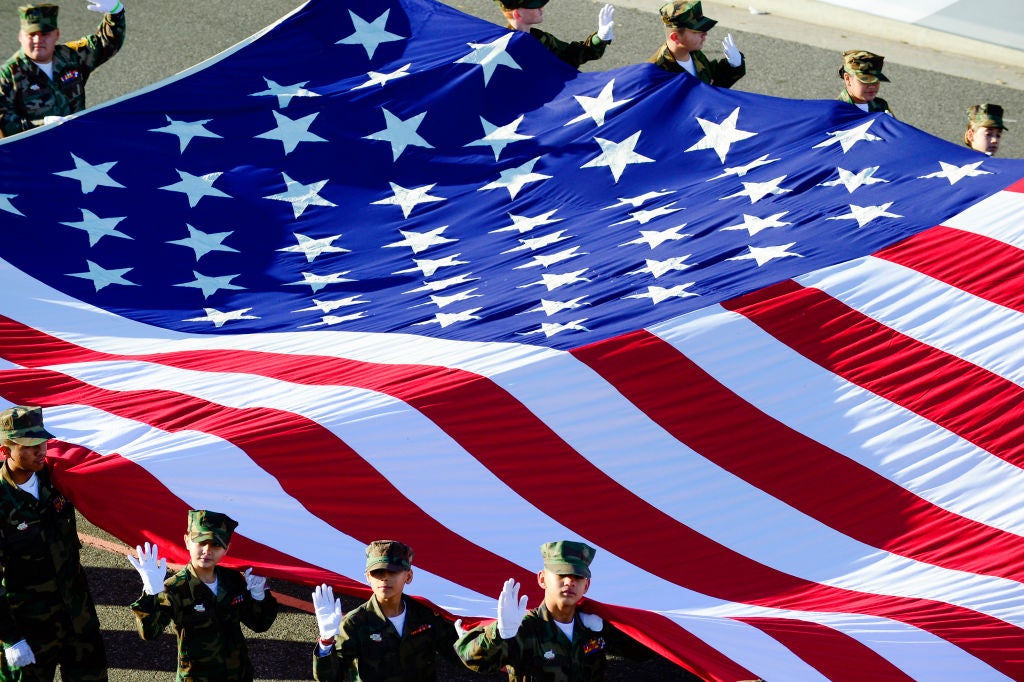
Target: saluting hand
x=732 y=53
x=151 y=568
x=605 y=23
x=328 y=611
x=511 y=609
x=257 y=585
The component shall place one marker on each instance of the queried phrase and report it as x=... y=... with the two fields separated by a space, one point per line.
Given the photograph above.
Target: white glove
x=105 y=6
x=327 y=610
x=152 y=569
x=19 y=655
x=52 y=119
x=605 y=23
x=459 y=630
x=256 y=584
x=732 y=53
x=592 y=621
x=511 y=609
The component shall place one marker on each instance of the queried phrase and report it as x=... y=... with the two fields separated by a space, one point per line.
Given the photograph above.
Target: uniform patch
x=78 y=44
x=59 y=503
x=549 y=655
x=593 y=645
x=200 y=608
x=22 y=526
x=375 y=637
x=69 y=76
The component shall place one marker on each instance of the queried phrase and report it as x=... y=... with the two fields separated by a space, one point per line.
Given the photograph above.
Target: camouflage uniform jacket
x=44 y=597
x=27 y=94
x=369 y=648
x=874 y=106
x=211 y=646
x=540 y=651
x=719 y=72
x=574 y=53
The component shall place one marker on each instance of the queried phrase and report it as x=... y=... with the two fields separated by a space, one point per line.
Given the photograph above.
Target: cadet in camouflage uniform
x=44 y=80
x=205 y=602
x=862 y=74
x=984 y=128
x=47 y=616
x=524 y=15
x=554 y=642
x=686 y=28
x=390 y=638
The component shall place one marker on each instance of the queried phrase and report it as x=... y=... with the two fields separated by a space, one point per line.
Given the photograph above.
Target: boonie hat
x=204 y=526
x=388 y=554
x=864 y=66
x=24 y=425
x=986 y=116
x=689 y=15
x=38 y=18
x=566 y=557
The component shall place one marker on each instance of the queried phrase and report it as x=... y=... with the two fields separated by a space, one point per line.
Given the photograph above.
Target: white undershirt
x=31 y=486
x=398 y=621
x=46 y=68
x=212 y=586
x=566 y=628
x=689 y=66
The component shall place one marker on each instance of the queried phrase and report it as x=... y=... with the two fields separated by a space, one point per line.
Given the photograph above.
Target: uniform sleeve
x=331 y=667
x=574 y=53
x=152 y=614
x=9 y=630
x=105 y=43
x=483 y=650
x=11 y=122
x=725 y=74
x=258 y=616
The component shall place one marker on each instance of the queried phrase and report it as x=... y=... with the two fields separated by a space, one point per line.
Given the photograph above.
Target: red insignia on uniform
x=593 y=645
x=422 y=628
x=68 y=76
x=238 y=600
x=59 y=502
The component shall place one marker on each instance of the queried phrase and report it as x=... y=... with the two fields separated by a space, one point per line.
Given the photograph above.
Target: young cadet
x=555 y=641
x=984 y=128
x=390 y=638
x=525 y=15
x=862 y=75
x=205 y=602
x=47 y=616
x=686 y=29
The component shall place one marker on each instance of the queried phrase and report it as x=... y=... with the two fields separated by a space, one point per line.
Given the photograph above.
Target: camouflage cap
x=689 y=15
x=566 y=557
x=985 y=116
x=864 y=66
x=388 y=554
x=38 y=18
x=204 y=526
x=521 y=4
x=23 y=425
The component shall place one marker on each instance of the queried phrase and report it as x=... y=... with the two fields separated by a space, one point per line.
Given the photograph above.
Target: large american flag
x=389 y=271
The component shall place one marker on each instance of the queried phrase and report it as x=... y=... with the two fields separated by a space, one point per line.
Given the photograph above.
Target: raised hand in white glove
x=152 y=569
x=459 y=630
x=605 y=23
x=105 y=6
x=592 y=621
x=732 y=53
x=19 y=655
x=256 y=584
x=327 y=610
x=511 y=609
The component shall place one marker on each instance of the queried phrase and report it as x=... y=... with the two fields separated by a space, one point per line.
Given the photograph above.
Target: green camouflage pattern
x=211 y=646
x=574 y=53
x=719 y=72
x=541 y=653
x=44 y=596
x=204 y=526
x=985 y=116
x=390 y=555
x=23 y=425
x=27 y=94
x=369 y=648
x=566 y=557
x=38 y=18
x=685 y=14
x=875 y=105
x=864 y=66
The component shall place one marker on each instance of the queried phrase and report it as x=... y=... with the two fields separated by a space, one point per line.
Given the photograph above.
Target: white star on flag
x=317 y=282
x=284 y=93
x=408 y=199
x=514 y=179
x=290 y=132
x=91 y=176
x=301 y=196
x=489 y=56
x=382 y=79
x=617 y=155
x=210 y=285
x=657 y=268
x=101 y=277
x=658 y=294
x=421 y=241
x=185 y=130
x=311 y=248
x=638 y=201
x=330 y=306
x=849 y=137
x=865 y=214
x=597 y=107
x=764 y=254
x=445 y=301
x=647 y=215
x=539 y=242
x=218 y=318
x=759 y=190
x=555 y=281
x=498 y=137
x=549 y=329
x=203 y=243
x=720 y=136
x=195 y=187
x=740 y=171
x=369 y=35
x=545 y=260
x=956 y=173
x=550 y=308
x=753 y=224
x=441 y=285
x=97 y=227
x=400 y=134
x=430 y=266
x=852 y=181
x=655 y=238
x=6 y=205
x=523 y=224
x=448 y=319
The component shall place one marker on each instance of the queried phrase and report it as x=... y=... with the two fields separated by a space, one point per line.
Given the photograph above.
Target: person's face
x=860 y=92
x=691 y=40
x=530 y=16
x=562 y=591
x=985 y=139
x=388 y=585
x=206 y=554
x=38 y=46
x=27 y=459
